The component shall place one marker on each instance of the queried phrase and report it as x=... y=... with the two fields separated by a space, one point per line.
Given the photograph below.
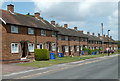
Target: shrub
x=41 y=54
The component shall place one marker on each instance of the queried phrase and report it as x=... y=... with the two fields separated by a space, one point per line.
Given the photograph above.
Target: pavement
x=96 y=68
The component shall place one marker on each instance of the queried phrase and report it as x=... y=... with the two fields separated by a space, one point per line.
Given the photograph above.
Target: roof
x=25 y=20
x=105 y=39
x=92 y=37
x=70 y=32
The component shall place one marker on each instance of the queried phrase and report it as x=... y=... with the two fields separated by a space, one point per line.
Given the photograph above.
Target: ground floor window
x=53 y=47
x=66 y=48
x=77 y=48
x=40 y=46
x=31 y=47
x=14 y=47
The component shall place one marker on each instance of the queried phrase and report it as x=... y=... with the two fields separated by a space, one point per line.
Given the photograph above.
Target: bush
x=41 y=54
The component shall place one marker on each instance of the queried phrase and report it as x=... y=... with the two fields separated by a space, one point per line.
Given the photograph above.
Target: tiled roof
x=91 y=37
x=70 y=32
x=25 y=20
x=105 y=39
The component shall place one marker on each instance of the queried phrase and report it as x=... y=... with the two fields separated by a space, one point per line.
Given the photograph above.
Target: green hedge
x=41 y=54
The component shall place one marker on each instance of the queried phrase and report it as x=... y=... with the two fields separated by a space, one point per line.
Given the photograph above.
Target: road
x=102 y=68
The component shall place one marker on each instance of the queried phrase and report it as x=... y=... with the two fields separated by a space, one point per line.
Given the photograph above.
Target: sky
x=87 y=15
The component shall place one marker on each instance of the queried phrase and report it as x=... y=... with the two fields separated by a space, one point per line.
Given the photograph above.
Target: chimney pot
x=10 y=7
x=93 y=34
x=53 y=22
x=110 y=37
x=98 y=34
x=88 y=33
x=75 y=28
x=66 y=25
x=37 y=14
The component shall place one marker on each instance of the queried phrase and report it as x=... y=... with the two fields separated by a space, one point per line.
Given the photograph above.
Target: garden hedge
x=41 y=54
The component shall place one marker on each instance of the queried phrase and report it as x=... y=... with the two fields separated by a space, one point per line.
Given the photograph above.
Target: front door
x=24 y=49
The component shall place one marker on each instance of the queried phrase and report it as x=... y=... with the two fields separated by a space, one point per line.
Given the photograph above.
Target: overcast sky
x=86 y=15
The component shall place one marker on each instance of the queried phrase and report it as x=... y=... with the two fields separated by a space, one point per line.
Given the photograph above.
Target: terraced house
x=21 y=34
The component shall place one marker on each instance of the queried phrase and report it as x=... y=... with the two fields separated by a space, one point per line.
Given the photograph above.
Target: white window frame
x=30 y=49
x=14 y=29
x=30 y=30
x=39 y=46
x=66 y=49
x=77 y=48
x=53 y=46
x=13 y=49
x=43 y=32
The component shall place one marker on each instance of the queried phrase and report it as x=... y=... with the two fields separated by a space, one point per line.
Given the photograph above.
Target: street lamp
x=108 y=42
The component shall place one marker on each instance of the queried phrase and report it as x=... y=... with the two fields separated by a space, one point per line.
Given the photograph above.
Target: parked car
x=106 y=51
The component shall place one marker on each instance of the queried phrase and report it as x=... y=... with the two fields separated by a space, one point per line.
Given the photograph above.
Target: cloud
x=1 y=3
x=85 y=15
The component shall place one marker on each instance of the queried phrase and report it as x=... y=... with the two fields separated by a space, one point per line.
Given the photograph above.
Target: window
x=66 y=37
x=43 y=32
x=40 y=46
x=66 y=48
x=14 y=48
x=59 y=37
x=30 y=31
x=31 y=47
x=53 y=33
x=77 y=48
x=53 y=47
x=72 y=38
x=14 y=29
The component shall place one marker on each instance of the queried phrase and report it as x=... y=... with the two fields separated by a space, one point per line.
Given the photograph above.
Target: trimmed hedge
x=41 y=54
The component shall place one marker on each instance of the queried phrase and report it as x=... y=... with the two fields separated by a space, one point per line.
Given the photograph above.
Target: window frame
x=59 y=37
x=40 y=46
x=13 y=26
x=29 y=49
x=66 y=38
x=67 y=49
x=14 y=48
x=29 y=31
x=43 y=32
x=54 y=48
x=53 y=34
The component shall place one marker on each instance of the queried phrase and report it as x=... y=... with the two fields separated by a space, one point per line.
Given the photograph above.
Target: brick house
x=22 y=33
x=94 y=42
x=72 y=42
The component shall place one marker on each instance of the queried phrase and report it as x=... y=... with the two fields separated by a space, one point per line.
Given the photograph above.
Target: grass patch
x=65 y=59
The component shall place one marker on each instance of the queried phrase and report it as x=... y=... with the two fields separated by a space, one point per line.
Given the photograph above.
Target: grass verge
x=65 y=59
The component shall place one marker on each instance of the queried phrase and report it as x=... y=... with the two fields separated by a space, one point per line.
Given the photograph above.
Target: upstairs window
x=59 y=37
x=43 y=33
x=30 y=31
x=14 y=29
x=72 y=38
x=53 y=34
x=14 y=48
x=66 y=38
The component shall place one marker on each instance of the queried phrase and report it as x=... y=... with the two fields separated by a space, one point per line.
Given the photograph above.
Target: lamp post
x=108 y=42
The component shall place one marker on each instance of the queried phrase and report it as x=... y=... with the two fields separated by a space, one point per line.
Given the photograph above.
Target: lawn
x=65 y=59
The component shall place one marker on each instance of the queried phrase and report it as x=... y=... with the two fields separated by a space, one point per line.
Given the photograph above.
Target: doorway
x=24 y=48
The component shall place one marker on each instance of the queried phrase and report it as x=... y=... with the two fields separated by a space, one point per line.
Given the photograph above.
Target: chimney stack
x=53 y=22
x=88 y=33
x=106 y=36
x=93 y=34
x=10 y=7
x=37 y=14
x=99 y=35
x=66 y=25
x=110 y=37
x=75 y=28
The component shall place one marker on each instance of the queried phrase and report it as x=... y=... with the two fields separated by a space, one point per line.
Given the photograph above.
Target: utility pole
x=108 y=42
x=102 y=36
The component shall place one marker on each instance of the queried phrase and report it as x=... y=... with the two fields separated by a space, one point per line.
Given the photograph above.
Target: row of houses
x=21 y=34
